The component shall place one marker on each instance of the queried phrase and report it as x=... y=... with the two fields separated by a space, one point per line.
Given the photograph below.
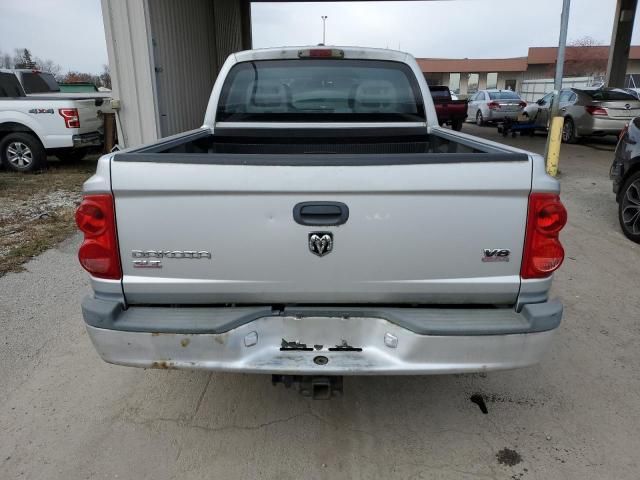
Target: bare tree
x=5 y=60
x=48 y=65
x=583 y=59
x=105 y=77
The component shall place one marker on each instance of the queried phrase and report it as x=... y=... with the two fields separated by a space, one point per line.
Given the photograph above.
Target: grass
x=28 y=225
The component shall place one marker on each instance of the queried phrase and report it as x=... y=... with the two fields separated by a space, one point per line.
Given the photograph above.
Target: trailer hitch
x=316 y=387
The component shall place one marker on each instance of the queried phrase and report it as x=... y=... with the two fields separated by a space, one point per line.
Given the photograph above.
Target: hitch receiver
x=316 y=387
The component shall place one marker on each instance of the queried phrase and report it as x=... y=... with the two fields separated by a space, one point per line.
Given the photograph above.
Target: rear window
x=506 y=95
x=325 y=90
x=440 y=93
x=39 y=82
x=9 y=86
x=609 y=95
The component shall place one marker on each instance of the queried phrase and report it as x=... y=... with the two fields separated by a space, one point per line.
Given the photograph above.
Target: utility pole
x=324 y=21
x=556 y=123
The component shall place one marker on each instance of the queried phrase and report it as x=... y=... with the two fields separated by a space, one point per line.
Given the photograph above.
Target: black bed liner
x=316 y=147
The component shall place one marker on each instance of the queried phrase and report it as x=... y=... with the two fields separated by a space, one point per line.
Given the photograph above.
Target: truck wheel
x=22 y=152
x=629 y=208
x=479 y=119
x=456 y=125
x=569 y=131
x=72 y=155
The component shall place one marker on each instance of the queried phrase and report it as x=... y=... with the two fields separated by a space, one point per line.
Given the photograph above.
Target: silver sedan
x=494 y=105
x=588 y=111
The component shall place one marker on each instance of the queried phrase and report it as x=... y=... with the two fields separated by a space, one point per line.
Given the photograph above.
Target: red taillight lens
x=493 y=105
x=71 y=118
x=522 y=105
x=596 y=111
x=98 y=253
x=543 y=253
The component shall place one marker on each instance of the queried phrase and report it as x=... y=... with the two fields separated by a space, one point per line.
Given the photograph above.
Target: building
x=531 y=75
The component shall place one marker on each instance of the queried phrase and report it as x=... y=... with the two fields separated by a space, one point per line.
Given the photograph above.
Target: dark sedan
x=625 y=173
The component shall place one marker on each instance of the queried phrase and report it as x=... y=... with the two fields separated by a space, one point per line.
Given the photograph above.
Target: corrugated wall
x=164 y=57
x=191 y=40
x=185 y=61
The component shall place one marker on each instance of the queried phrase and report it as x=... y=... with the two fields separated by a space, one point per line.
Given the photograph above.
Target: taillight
x=543 y=253
x=71 y=117
x=493 y=105
x=98 y=253
x=596 y=111
x=522 y=105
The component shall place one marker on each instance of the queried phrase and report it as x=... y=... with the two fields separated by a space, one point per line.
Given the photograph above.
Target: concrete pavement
x=64 y=414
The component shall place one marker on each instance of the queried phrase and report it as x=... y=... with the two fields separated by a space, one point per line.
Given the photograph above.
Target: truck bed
x=268 y=146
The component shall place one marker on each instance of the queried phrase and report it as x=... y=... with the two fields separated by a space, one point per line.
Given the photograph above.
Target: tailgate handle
x=321 y=213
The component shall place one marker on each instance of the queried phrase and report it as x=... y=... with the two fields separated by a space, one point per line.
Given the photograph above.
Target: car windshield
x=609 y=95
x=506 y=95
x=39 y=82
x=324 y=90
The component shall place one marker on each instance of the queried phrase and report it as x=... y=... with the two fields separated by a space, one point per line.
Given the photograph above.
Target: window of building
x=454 y=82
x=492 y=80
x=472 y=85
x=510 y=84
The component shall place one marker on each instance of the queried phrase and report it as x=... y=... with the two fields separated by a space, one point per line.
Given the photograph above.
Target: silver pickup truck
x=321 y=223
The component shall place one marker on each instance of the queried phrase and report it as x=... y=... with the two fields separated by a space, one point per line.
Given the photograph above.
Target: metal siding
x=185 y=61
x=128 y=48
x=228 y=26
x=192 y=39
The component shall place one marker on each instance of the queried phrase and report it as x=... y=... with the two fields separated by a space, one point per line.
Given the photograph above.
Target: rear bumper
x=251 y=339
x=92 y=139
x=602 y=125
x=498 y=115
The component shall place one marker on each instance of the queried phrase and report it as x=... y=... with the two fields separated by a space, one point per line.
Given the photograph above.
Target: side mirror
x=540 y=101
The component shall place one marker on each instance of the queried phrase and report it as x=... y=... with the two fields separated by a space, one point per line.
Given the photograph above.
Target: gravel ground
x=64 y=414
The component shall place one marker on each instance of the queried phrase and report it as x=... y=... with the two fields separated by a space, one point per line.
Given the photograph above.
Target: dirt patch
x=509 y=457
x=37 y=211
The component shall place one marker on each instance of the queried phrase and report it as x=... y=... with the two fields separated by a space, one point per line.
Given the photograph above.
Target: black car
x=625 y=173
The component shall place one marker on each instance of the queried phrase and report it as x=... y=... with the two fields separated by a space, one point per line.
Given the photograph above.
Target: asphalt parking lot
x=64 y=414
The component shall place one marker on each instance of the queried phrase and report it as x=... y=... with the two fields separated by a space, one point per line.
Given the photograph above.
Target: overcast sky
x=71 y=33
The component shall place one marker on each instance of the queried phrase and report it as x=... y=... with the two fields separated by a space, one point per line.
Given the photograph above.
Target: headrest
x=374 y=96
x=267 y=96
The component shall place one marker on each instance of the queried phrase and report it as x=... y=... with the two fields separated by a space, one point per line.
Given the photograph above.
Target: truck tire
x=569 y=131
x=71 y=155
x=456 y=125
x=22 y=152
x=629 y=208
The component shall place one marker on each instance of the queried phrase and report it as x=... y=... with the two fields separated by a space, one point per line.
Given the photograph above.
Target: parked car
x=33 y=127
x=336 y=238
x=625 y=173
x=494 y=105
x=37 y=84
x=449 y=111
x=588 y=111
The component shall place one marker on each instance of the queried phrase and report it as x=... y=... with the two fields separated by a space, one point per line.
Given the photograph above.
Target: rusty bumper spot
x=163 y=364
x=184 y=342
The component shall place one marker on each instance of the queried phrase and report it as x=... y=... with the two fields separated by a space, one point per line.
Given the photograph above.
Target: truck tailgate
x=416 y=233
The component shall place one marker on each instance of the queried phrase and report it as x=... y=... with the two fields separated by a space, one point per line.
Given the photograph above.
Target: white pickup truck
x=33 y=127
x=319 y=224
